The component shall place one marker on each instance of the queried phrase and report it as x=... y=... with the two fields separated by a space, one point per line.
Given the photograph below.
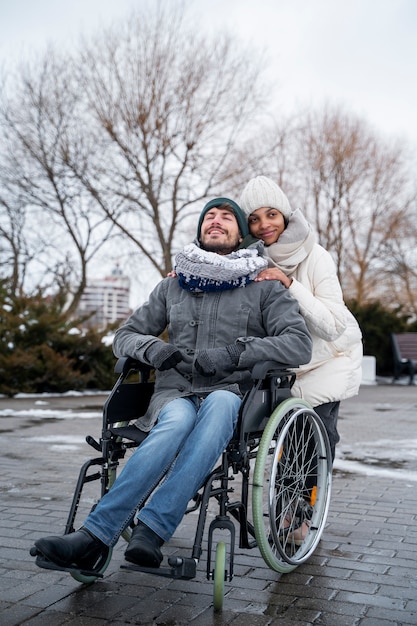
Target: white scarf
x=293 y=245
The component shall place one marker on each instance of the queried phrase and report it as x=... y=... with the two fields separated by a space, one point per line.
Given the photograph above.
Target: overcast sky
x=361 y=54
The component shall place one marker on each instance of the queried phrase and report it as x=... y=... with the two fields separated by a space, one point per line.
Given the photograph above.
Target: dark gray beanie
x=237 y=211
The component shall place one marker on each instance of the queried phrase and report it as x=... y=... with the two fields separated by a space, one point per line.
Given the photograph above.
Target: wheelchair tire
x=291 y=485
x=83 y=578
x=219 y=576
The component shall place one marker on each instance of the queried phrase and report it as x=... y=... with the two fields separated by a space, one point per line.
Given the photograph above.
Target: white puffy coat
x=334 y=372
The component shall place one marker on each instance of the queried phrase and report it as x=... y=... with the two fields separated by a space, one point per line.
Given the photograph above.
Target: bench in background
x=404 y=348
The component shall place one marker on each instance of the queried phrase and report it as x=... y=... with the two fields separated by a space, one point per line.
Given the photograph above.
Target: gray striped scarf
x=199 y=270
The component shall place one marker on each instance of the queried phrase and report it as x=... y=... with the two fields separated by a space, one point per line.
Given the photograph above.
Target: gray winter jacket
x=263 y=316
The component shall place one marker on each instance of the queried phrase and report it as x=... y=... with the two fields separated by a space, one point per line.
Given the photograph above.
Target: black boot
x=80 y=549
x=144 y=547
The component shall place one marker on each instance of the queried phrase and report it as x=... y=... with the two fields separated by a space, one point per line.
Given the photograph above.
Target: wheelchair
x=281 y=452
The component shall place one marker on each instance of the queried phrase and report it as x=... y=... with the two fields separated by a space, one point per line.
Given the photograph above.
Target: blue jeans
x=182 y=449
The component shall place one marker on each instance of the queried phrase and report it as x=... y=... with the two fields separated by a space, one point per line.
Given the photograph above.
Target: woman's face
x=266 y=224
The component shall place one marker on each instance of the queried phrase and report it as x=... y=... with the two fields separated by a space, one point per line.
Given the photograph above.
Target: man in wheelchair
x=220 y=324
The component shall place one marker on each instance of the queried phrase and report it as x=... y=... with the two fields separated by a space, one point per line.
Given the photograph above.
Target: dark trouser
x=329 y=413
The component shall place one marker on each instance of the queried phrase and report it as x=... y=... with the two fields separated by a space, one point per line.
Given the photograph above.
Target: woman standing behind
x=308 y=271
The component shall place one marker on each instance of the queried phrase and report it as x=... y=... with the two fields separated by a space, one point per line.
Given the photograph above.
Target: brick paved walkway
x=363 y=572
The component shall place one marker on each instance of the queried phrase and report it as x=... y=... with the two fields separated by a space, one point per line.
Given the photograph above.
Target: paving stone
x=362 y=574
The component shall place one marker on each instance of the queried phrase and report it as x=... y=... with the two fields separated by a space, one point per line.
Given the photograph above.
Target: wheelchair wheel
x=83 y=578
x=291 y=485
x=219 y=576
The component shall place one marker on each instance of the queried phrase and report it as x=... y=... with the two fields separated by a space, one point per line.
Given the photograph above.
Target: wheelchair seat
x=128 y=400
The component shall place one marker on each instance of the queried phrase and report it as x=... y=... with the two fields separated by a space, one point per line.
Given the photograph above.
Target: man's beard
x=220 y=248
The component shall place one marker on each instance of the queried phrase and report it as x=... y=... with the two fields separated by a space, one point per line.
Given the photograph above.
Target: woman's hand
x=172 y=274
x=273 y=273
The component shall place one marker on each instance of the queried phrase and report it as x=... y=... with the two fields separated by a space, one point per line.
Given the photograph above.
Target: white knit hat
x=263 y=192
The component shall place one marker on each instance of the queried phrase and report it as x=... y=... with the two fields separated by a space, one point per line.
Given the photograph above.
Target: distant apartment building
x=106 y=300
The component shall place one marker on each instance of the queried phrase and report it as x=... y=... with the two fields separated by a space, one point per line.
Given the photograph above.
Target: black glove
x=225 y=359
x=162 y=356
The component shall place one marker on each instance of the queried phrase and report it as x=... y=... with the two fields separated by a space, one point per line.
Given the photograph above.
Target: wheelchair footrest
x=45 y=563
x=180 y=567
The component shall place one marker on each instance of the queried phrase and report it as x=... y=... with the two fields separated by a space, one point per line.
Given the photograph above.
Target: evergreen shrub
x=41 y=350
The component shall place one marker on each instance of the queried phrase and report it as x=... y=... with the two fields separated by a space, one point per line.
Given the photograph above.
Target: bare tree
x=357 y=190
x=400 y=277
x=166 y=109
x=360 y=196
x=126 y=137
x=149 y=119
x=271 y=152
x=14 y=253
x=40 y=119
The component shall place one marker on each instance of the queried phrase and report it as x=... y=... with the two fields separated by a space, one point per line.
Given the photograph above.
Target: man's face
x=219 y=231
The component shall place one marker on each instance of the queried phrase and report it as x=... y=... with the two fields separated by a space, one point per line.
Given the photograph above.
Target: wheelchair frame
x=289 y=487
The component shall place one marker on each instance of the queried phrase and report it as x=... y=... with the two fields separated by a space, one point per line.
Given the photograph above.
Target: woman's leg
x=329 y=413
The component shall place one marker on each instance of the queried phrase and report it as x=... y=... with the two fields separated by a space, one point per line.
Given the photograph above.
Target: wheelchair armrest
x=263 y=369
x=125 y=364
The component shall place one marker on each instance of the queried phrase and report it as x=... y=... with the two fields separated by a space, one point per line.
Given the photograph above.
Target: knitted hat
x=263 y=192
x=237 y=212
